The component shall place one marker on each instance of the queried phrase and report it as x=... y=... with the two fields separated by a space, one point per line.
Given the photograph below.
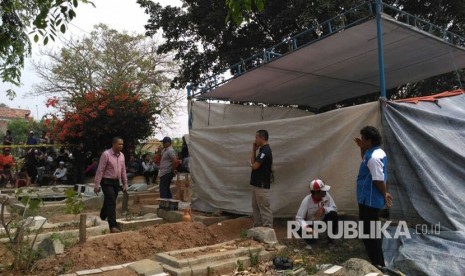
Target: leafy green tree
x=18 y=17
x=177 y=144
x=19 y=129
x=109 y=60
x=238 y=10
x=205 y=43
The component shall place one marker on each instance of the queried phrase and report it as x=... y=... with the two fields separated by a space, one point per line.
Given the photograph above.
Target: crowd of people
x=44 y=164
x=41 y=166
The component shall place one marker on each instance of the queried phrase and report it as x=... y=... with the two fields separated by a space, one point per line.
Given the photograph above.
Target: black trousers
x=331 y=216
x=165 y=182
x=334 y=218
x=150 y=176
x=110 y=189
x=78 y=173
x=373 y=247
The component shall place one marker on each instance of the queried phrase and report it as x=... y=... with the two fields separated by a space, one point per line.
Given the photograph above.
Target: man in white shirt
x=317 y=206
x=60 y=173
x=149 y=169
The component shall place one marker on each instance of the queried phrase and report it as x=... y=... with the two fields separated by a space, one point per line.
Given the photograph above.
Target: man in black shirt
x=8 y=139
x=79 y=162
x=260 y=179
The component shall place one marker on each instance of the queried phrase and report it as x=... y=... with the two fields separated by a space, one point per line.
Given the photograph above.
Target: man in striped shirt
x=110 y=173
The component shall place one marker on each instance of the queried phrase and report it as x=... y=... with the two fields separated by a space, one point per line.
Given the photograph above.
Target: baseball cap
x=61 y=163
x=166 y=140
x=31 y=132
x=6 y=149
x=318 y=185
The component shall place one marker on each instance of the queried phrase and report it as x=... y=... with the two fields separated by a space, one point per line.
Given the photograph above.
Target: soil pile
x=131 y=246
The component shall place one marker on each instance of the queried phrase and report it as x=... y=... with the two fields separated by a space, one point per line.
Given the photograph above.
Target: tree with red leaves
x=107 y=84
x=95 y=117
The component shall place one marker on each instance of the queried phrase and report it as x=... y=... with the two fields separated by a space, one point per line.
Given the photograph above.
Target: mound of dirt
x=131 y=246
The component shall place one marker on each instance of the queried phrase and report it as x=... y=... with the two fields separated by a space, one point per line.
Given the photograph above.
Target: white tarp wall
x=303 y=148
x=205 y=114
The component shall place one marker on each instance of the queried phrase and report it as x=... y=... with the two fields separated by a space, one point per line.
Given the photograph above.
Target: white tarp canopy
x=207 y=114
x=315 y=146
x=425 y=146
x=344 y=66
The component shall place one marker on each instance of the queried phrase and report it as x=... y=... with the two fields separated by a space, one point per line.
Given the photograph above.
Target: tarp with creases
x=425 y=143
x=205 y=114
x=316 y=146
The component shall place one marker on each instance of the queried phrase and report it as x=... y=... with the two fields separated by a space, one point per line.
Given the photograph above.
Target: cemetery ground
x=157 y=231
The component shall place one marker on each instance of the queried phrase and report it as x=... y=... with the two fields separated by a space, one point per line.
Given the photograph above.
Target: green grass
x=254 y=258
x=243 y=234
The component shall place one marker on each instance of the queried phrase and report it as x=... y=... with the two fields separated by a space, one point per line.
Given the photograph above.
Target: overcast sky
x=122 y=15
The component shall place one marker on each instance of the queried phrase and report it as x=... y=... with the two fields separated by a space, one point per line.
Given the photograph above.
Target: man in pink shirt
x=110 y=172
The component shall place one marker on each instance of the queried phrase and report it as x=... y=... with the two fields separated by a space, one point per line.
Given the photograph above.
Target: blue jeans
x=165 y=182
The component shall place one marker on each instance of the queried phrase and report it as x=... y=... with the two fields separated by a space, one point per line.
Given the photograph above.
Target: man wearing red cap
x=318 y=206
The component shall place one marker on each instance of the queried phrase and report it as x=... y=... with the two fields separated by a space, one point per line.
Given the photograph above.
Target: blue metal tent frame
x=360 y=13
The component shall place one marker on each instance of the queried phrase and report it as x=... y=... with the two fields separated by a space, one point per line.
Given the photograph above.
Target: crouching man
x=318 y=206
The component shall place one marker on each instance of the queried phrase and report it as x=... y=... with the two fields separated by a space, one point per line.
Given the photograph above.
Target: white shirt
x=148 y=166
x=308 y=208
x=376 y=166
x=60 y=173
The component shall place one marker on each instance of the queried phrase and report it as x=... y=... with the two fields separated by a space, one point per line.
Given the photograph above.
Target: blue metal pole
x=382 y=80
x=189 y=89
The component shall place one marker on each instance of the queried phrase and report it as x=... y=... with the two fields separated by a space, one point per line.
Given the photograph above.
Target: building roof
x=13 y=113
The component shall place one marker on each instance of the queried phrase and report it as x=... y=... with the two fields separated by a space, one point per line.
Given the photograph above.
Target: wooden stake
x=125 y=201
x=82 y=229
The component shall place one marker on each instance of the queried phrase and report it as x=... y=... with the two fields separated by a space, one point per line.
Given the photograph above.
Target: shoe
x=102 y=217
x=281 y=263
x=114 y=230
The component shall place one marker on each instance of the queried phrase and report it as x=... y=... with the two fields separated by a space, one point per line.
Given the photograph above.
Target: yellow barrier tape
x=32 y=146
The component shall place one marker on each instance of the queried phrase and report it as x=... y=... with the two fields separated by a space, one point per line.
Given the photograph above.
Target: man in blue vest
x=372 y=195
